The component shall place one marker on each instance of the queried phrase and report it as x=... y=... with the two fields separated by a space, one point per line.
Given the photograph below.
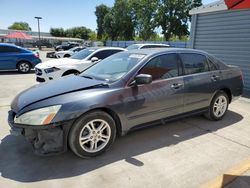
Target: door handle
x=176 y=85
x=215 y=78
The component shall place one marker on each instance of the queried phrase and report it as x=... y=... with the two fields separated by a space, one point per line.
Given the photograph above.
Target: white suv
x=146 y=45
x=54 y=69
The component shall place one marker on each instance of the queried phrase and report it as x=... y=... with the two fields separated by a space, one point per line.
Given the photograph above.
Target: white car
x=55 y=69
x=146 y=45
x=68 y=53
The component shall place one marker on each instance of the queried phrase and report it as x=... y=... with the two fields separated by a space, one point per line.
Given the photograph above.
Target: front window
x=162 y=67
x=83 y=54
x=114 y=67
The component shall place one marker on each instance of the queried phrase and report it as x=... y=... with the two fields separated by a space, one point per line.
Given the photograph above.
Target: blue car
x=15 y=57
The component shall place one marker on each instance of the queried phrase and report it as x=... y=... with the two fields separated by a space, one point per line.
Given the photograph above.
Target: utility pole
x=39 y=36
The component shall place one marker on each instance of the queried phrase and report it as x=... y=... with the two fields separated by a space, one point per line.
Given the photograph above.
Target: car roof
x=151 y=44
x=153 y=51
x=106 y=48
x=7 y=44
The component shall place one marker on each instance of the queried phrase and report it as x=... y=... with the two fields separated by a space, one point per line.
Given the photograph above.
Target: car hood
x=54 y=88
x=57 y=62
x=63 y=52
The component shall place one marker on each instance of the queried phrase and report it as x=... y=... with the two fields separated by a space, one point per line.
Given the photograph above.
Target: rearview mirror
x=141 y=79
x=94 y=59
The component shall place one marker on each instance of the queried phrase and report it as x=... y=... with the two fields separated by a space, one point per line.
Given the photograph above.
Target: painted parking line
x=229 y=176
x=3 y=106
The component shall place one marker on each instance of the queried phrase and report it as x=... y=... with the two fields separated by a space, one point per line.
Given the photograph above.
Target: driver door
x=163 y=97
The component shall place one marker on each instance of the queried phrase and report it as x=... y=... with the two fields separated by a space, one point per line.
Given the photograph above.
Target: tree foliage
x=75 y=32
x=129 y=19
x=118 y=23
x=20 y=26
x=144 y=12
x=100 y=12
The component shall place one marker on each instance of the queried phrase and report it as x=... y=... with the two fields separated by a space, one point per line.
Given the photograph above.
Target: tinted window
x=162 y=67
x=211 y=65
x=194 y=63
x=9 y=49
x=105 y=53
x=83 y=54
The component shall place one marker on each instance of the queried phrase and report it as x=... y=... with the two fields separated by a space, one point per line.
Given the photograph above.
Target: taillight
x=36 y=54
x=241 y=76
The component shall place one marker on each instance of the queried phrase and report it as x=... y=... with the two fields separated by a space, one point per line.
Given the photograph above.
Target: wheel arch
x=228 y=92
x=23 y=60
x=71 y=71
x=112 y=114
x=224 y=89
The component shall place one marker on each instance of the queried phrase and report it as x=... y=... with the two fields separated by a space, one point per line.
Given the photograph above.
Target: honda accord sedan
x=121 y=93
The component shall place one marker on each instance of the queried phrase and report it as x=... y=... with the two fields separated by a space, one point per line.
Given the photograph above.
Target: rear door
x=163 y=97
x=8 y=57
x=197 y=81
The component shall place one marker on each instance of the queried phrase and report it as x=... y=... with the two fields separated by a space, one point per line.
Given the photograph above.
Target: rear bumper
x=46 y=140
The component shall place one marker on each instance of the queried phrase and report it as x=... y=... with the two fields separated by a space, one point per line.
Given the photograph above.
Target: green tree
x=20 y=26
x=100 y=12
x=78 y=32
x=144 y=12
x=173 y=17
x=57 y=32
x=75 y=32
x=110 y=27
x=118 y=23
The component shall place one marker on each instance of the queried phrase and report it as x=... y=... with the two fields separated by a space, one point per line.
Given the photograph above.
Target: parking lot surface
x=186 y=153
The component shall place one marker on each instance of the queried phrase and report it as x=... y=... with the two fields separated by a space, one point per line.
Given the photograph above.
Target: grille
x=38 y=72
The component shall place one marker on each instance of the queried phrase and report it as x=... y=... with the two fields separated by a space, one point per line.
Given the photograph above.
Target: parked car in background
x=120 y=93
x=68 y=53
x=66 y=46
x=146 y=45
x=14 y=57
x=54 y=69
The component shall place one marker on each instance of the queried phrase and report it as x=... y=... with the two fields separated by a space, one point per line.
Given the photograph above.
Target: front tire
x=92 y=134
x=24 y=67
x=218 y=106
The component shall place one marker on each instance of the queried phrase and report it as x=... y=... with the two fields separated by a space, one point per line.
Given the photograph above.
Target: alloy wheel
x=220 y=106
x=24 y=67
x=95 y=135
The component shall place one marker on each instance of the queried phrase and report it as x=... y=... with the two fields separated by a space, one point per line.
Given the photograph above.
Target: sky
x=55 y=13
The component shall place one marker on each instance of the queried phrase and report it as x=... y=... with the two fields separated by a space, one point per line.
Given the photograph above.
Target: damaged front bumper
x=45 y=139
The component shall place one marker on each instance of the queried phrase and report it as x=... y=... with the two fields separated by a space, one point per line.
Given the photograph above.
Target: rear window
x=194 y=63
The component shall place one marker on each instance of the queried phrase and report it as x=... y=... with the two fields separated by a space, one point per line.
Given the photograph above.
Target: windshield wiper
x=89 y=77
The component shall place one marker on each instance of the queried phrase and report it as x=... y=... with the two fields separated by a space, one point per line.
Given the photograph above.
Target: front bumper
x=46 y=140
x=42 y=76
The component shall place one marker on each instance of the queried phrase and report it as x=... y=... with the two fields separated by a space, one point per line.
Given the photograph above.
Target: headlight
x=42 y=116
x=49 y=70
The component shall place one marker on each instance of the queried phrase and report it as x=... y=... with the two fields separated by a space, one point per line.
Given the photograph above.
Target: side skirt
x=168 y=119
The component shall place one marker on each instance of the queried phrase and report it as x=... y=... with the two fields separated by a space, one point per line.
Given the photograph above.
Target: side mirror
x=141 y=79
x=94 y=59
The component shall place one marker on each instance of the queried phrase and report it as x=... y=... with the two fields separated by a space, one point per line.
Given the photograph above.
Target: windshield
x=133 y=47
x=83 y=54
x=72 y=49
x=114 y=67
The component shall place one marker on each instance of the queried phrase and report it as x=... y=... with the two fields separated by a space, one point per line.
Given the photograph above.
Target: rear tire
x=218 y=106
x=92 y=134
x=66 y=55
x=24 y=67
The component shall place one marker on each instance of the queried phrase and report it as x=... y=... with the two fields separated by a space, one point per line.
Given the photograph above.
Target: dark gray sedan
x=121 y=93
